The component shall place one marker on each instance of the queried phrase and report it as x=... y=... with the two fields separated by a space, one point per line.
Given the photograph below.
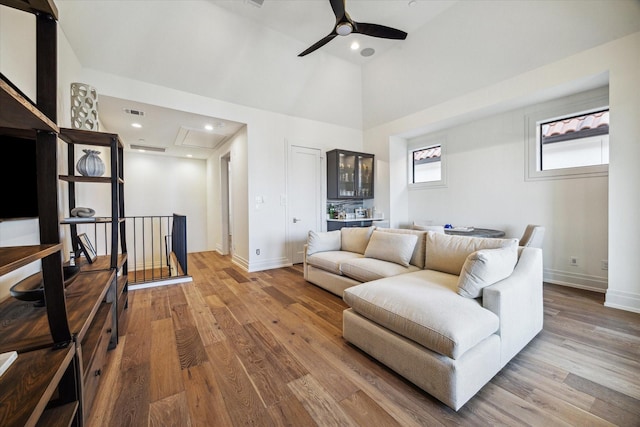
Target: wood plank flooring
x=265 y=349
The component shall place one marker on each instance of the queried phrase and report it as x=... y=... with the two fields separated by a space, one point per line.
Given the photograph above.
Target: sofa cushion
x=392 y=247
x=486 y=267
x=424 y=306
x=448 y=253
x=355 y=239
x=417 y=258
x=367 y=269
x=331 y=260
x=319 y=241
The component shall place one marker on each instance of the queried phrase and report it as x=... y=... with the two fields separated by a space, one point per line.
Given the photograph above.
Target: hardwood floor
x=235 y=348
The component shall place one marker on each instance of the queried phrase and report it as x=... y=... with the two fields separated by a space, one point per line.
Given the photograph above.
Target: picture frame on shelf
x=87 y=248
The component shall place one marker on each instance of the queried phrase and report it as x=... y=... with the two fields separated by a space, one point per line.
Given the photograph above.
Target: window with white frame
x=426 y=164
x=569 y=137
x=574 y=141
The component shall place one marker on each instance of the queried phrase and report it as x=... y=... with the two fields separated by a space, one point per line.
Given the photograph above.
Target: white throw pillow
x=392 y=247
x=323 y=241
x=484 y=268
x=448 y=253
x=355 y=239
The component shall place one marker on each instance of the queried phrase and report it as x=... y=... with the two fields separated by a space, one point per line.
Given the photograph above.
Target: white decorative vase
x=84 y=107
x=90 y=164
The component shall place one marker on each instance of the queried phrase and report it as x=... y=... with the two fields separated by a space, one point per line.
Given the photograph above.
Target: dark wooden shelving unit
x=19 y=113
x=32 y=374
x=62 y=346
x=117 y=259
x=41 y=385
x=104 y=331
x=113 y=142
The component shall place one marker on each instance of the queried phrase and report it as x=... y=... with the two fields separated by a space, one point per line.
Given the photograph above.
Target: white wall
x=162 y=185
x=486 y=188
x=619 y=60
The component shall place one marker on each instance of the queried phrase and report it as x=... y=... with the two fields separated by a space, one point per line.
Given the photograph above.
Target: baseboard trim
x=239 y=261
x=576 y=280
x=622 y=300
x=269 y=264
x=154 y=284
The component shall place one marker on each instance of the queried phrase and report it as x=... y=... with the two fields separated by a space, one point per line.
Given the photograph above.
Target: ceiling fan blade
x=338 y=8
x=319 y=44
x=375 y=30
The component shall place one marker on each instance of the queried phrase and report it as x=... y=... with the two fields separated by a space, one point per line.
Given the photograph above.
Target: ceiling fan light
x=344 y=29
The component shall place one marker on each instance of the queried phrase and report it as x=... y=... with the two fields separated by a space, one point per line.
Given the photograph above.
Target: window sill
x=427 y=185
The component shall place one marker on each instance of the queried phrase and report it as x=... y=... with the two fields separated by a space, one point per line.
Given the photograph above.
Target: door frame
x=225 y=204
x=321 y=217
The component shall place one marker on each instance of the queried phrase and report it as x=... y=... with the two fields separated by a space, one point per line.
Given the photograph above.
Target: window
x=427 y=164
x=574 y=141
x=568 y=137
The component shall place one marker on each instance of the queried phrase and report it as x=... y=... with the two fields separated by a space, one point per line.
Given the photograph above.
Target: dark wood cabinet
x=350 y=175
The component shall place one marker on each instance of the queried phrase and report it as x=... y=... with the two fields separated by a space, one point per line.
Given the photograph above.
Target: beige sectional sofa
x=445 y=312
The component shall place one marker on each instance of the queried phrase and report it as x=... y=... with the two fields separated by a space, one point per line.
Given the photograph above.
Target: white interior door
x=305 y=197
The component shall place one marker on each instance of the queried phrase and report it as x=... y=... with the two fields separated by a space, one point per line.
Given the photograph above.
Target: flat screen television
x=18 y=178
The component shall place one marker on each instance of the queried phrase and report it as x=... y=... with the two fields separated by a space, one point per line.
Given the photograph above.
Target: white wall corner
x=622 y=300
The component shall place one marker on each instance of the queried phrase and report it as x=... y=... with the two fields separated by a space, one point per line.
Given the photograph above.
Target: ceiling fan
x=345 y=26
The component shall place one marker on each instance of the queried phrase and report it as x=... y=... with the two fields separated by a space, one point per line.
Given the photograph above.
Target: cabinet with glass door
x=349 y=175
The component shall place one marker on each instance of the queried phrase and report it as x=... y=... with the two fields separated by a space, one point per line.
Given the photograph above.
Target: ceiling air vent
x=147 y=148
x=134 y=112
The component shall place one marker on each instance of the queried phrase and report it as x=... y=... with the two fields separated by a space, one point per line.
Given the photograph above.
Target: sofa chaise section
x=454 y=345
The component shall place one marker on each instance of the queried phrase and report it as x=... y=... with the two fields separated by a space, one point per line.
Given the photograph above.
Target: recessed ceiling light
x=367 y=51
x=208 y=127
x=355 y=46
x=412 y=3
x=189 y=155
x=136 y=125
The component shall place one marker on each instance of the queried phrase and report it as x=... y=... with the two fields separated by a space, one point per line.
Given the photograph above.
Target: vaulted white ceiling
x=233 y=51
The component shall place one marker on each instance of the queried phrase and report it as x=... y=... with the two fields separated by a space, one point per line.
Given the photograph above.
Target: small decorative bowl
x=32 y=289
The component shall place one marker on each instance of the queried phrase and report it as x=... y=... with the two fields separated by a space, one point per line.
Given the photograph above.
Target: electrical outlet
x=604 y=264
x=573 y=261
x=257 y=251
